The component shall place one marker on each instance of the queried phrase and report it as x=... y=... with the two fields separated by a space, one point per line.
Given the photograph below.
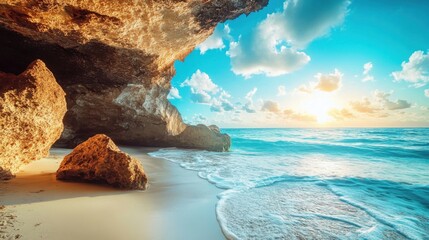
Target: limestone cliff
x=115 y=60
x=32 y=107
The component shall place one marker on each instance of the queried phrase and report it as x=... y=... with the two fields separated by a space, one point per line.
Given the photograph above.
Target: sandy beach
x=177 y=204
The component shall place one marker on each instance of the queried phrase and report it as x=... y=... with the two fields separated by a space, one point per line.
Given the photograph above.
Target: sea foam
x=318 y=183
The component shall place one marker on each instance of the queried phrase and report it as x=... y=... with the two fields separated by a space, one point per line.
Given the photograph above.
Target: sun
x=319 y=106
x=323 y=118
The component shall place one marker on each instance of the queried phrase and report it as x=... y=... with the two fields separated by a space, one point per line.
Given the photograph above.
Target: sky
x=311 y=63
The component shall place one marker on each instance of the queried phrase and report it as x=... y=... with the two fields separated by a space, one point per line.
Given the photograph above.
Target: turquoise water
x=318 y=183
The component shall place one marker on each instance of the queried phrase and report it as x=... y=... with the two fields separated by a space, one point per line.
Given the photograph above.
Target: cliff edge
x=114 y=60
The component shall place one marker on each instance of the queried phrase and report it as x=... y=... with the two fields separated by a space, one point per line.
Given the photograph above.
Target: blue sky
x=332 y=63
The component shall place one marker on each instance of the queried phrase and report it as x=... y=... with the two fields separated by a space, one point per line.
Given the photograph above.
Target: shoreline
x=177 y=204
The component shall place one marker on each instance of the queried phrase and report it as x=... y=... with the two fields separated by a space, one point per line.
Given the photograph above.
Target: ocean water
x=318 y=183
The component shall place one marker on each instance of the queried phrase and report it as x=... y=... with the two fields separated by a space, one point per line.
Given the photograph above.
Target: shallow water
x=318 y=183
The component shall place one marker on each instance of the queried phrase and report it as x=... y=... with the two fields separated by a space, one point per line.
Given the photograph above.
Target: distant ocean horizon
x=322 y=127
x=318 y=183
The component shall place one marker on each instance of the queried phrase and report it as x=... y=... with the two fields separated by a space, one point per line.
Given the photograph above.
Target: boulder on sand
x=99 y=160
x=32 y=108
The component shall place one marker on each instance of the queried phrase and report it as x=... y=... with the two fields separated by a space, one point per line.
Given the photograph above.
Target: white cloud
x=200 y=81
x=216 y=40
x=427 y=93
x=248 y=106
x=273 y=48
x=367 y=67
x=198 y=119
x=302 y=21
x=200 y=97
x=174 y=93
x=415 y=71
x=250 y=94
x=201 y=86
x=397 y=105
x=270 y=106
x=382 y=95
x=389 y=104
x=368 y=78
x=325 y=83
x=304 y=88
x=204 y=91
x=378 y=104
x=222 y=103
x=257 y=55
x=218 y=106
x=281 y=90
x=364 y=106
x=224 y=94
x=328 y=82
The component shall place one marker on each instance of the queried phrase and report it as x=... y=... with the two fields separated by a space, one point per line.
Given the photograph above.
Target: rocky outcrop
x=115 y=60
x=203 y=137
x=32 y=107
x=99 y=160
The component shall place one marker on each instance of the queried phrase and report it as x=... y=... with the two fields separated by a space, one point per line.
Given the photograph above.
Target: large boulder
x=99 y=160
x=203 y=137
x=114 y=59
x=32 y=107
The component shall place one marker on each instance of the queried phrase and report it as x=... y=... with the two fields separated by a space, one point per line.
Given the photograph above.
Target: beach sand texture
x=177 y=204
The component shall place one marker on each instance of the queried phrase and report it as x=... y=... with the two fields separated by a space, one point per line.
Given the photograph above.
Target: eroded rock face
x=32 y=107
x=99 y=160
x=114 y=59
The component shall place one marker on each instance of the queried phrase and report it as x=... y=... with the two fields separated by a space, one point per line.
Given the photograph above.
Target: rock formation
x=99 y=160
x=203 y=137
x=115 y=61
x=32 y=107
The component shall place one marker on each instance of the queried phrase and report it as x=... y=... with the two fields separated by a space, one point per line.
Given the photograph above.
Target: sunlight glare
x=319 y=106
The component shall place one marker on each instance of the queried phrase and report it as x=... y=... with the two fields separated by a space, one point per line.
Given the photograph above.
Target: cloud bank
x=273 y=48
x=380 y=101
